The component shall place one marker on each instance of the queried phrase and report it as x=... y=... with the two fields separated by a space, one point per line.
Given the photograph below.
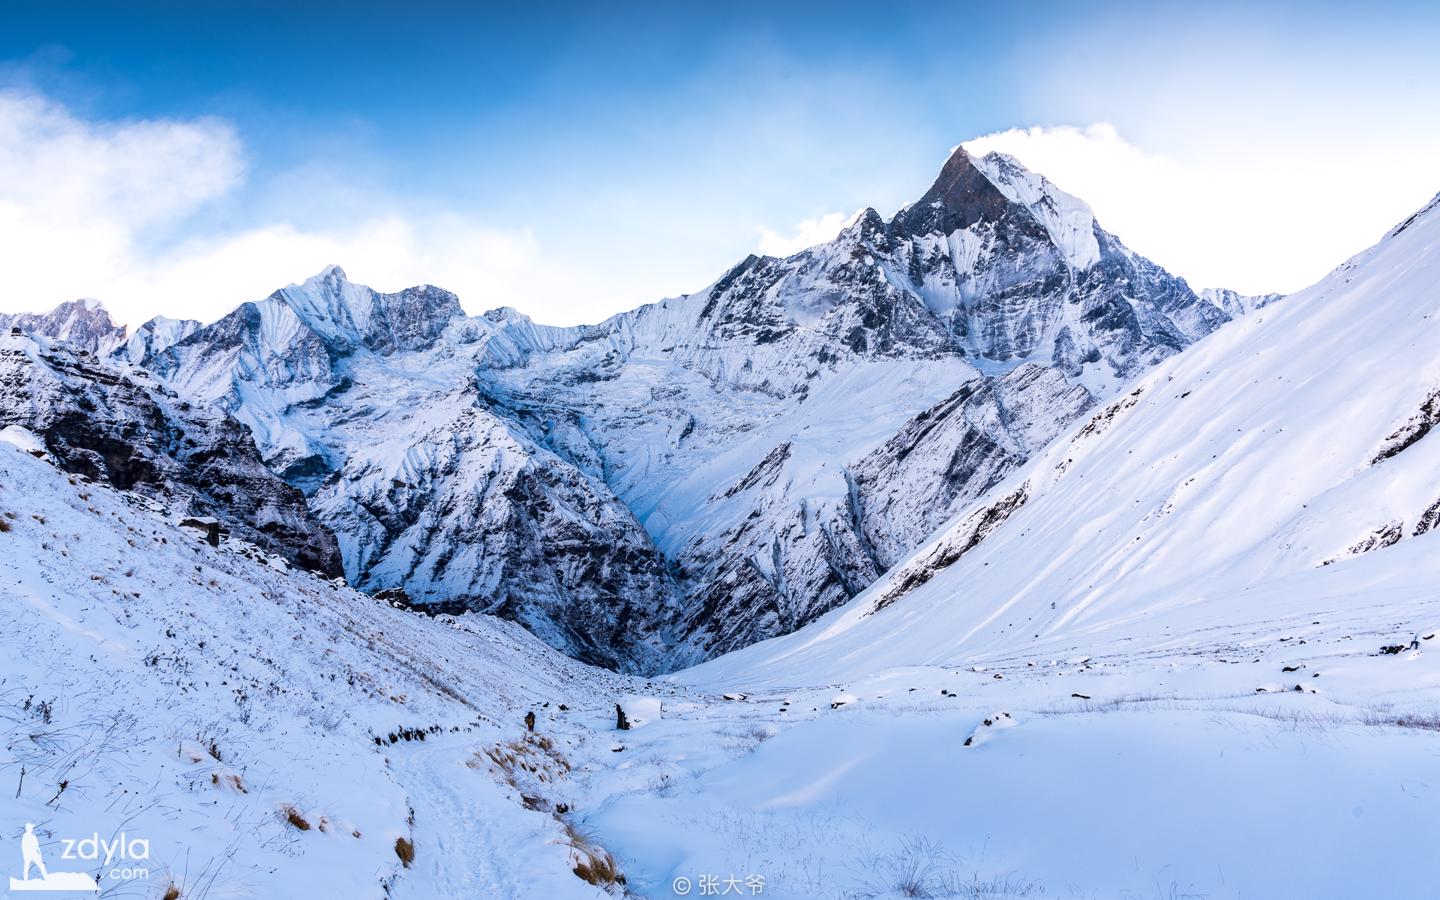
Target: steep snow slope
x=1293 y=440
x=1189 y=650
x=268 y=733
x=155 y=336
x=956 y=450
x=119 y=426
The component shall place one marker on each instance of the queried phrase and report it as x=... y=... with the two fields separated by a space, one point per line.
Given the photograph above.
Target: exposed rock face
x=120 y=427
x=945 y=458
x=456 y=505
x=713 y=469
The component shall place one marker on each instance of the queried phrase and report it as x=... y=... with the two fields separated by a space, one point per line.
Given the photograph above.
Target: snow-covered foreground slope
x=193 y=697
x=1141 y=772
x=260 y=728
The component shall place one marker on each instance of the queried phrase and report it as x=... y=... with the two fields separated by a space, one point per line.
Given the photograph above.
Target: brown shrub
x=405 y=850
x=293 y=816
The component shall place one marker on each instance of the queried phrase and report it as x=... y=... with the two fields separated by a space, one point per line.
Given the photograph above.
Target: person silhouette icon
x=30 y=850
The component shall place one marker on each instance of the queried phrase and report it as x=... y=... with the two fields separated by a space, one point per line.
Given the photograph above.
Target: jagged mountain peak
x=329 y=273
x=961 y=195
x=84 y=322
x=996 y=190
x=347 y=315
x=1069 y=220
x=155 y=336
x=502 y=315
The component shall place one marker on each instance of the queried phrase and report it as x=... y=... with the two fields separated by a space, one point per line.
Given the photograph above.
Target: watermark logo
x=124 y=857
x=707 y=885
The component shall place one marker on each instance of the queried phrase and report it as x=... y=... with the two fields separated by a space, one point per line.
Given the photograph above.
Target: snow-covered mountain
x=151 y=338
x=1236 y=304
x=1236 y=482
x=706 y=471
x=84 y=323
x=821 y=358
x=370 y=403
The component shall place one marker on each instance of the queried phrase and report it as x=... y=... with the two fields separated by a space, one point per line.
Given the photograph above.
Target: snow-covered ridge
x=1236 y=304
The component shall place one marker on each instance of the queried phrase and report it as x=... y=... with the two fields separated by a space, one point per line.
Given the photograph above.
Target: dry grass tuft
x=172 y=892
x=293 y=816
x=230 y=780
x=532 y=757
x=529 y=764
x=590 y=862
x=1427 y=720
x=405 y=850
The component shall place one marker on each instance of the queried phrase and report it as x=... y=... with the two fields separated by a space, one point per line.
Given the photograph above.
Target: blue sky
x=577 y=160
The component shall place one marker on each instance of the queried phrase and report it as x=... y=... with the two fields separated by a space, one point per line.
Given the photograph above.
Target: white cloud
x=61 y=170
x=806 y=234
x=1274 y=217
x=116 y=211
x=93 y=209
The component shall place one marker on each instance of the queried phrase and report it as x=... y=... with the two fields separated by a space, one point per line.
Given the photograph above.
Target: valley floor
x=1193 y=770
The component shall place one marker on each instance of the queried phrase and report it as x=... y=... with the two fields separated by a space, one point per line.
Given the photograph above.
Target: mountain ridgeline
x=687 y=478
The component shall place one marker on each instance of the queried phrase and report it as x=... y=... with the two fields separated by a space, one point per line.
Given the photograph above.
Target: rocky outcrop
x=120 y=427
x=461 y=509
